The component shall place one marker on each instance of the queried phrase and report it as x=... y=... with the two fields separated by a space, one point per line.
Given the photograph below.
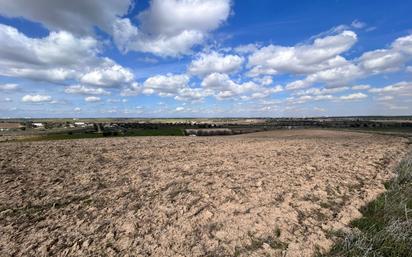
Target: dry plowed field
x=263 y=194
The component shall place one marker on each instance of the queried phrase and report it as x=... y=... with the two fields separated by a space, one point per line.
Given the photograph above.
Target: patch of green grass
x=129 y=133
x=155 y=132
x=387 y=129
x=385 y=229
x=60 y=136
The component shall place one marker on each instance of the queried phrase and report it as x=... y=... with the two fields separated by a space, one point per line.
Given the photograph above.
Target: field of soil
x=10 y=125
x=265 y=194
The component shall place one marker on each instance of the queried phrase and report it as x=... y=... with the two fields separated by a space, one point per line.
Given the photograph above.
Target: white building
x=80 y=124
x=38 y=124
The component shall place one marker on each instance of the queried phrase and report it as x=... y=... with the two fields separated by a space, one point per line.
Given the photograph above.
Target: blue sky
x=205 y=58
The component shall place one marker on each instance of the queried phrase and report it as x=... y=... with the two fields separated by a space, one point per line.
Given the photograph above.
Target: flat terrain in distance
x=271 y=193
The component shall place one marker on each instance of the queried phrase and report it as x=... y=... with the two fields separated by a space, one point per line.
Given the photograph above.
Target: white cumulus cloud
x=361 y=87
x=165 y=85
x=403 y=88
x=221 y=86
x=92 y=99
x=388 y=60
x=83 y=90
x=36 y=98
x=171 y=27
x=207 y=63
x=355 y=96
x=301 y=59
x=109 y=74
x=58 y=57
x=9 y=87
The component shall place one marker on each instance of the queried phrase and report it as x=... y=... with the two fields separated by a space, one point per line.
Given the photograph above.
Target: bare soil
x=265 y=194
x=10 y=125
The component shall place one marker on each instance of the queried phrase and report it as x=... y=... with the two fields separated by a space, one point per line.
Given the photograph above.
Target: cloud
x=339 y=72
x=397 y=107
x=381 y=60
x=321 y=91
x=361 y=87
x=298 y=84
x=92 y=99
x=36 y=98
x=116 y=100
x=78 y=17
x=171 y=17
x=207 y=63
x=128 y=38
x=57 y=49
x=321 y=61
x=308 y=98
x=403 y=44
x=402 y=88
x=9 y=87
x=108 y=74
x=387 y=60
x=132 y=90
x=83 y=90
x=7 y=100
x=57 y=58
x=77 y=109
x=246 y=49
x=355 y=96
x=334 y=77
x=180 y=109
x=169 y=85
x=337 y=76
x=165 y=85
x=358 y=24
x=302 y=59
x=166 y=27
x=171 y=27
x=52 y=58
x=147 y=59
x=52 y=75
x=190 y=94
x=222 y=87
x=318 y=109
x=385 y=98
x=265 y=80
x=218 y=85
